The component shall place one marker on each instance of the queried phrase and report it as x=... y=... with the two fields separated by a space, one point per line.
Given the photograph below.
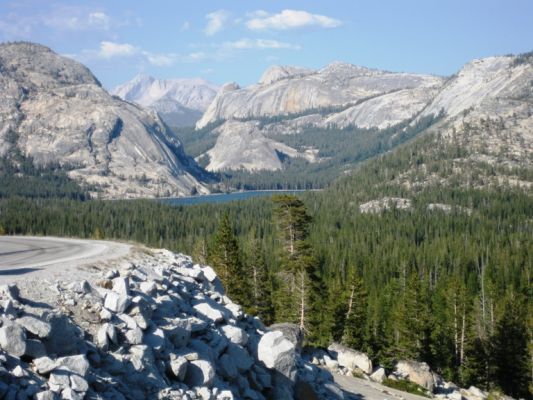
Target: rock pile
x=156 y=327
x=342 y=360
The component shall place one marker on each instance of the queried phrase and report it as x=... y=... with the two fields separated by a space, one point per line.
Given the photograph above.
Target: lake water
x=226 y=197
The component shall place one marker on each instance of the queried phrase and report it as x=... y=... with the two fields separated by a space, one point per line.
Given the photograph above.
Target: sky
x=236 y=40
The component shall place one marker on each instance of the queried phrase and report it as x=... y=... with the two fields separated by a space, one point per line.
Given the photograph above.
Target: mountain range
x=179 y=102
x=295 y=127
x=287 y=103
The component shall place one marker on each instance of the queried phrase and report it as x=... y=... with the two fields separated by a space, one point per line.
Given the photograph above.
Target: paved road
x=21 y=256
x=360 y=389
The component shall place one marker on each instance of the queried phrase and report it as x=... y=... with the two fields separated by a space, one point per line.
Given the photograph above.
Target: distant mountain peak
x=341 y=67
x=279 y=72
x=180 y=101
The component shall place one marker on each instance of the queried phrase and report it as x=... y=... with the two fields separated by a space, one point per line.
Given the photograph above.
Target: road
x=25 y=256
x=356 y=388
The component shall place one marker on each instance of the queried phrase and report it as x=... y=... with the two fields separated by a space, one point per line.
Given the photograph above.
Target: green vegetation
x=340 y=150
x=196 y=142
x=406 y=386
x=224 y=256
x=451 y=288
x=19 y=177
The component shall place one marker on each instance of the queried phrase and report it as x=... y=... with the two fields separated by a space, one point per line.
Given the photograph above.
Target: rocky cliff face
x=152 y=326
x=180 y=102
x=339 y=95
x=487 y=104
x=290 y=90
x=488 y=109
x=240 y=145
x=54 y=110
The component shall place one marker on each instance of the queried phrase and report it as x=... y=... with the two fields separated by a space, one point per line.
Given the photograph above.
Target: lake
x=225 y=197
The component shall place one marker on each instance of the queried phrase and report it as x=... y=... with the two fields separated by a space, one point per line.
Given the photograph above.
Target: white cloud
x=258 y=14
x=185 y=26
x=111 y=49
x=289 y=19
x=216 y=21
x=194 y=57
x=74 y=19
x=160 y=60
x=100 y=20
x=259 y=44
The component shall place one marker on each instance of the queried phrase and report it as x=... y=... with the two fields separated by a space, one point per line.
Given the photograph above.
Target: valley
x=349 y=221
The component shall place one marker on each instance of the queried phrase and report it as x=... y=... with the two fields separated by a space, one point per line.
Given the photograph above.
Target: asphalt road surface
x=21 y=256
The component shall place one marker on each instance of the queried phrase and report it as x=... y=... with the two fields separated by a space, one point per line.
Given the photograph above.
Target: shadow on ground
x=18 y=271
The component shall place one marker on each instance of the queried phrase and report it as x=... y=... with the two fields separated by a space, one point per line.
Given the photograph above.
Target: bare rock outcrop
x=287 y=99
x=54 y=111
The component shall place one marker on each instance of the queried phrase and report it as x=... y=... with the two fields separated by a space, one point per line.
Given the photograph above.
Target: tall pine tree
x=510 y=355
x=225 y=258
x=413 y=322
x=354 y=331
x=260 y=282
x=299 y=284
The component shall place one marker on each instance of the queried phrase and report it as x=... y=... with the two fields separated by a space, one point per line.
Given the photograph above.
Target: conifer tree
x=510 y=355
x=317 y=299
x=475 y=367
x=299 y=281
x=260 y=283
x=225 y=258
x=354 y=331
x=412 y=321
x=337 y=309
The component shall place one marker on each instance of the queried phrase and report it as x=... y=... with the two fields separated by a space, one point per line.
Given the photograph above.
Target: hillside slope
x=486 y=106
x=54 y=111
x=289 y=100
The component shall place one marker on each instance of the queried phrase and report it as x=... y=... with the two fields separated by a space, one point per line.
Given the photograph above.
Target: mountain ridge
x=53 y=110
x=179 y=101
x=363 y=98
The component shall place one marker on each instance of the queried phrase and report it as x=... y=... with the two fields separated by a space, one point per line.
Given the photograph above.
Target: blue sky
x=236 y=40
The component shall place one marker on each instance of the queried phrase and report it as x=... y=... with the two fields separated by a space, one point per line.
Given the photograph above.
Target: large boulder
x=242 y=359
x=200 y=373
x=208 y=311
x=34 y=325
x=417 y=372
x=12 y=338
x=178 y=366
x=378 y=375
x=291 y=332
x=277 y=352
x=235 y=334
x=473 y=393
x=350 y=358
x=116 y=302
x=279 y=355
x=77 y=364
